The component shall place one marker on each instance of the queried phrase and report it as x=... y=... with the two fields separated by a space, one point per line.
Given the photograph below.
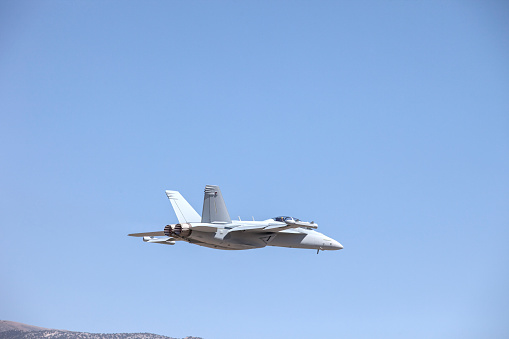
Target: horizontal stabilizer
x=147 y=234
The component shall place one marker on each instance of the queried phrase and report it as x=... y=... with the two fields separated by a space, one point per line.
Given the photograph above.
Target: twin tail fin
x=214 y=208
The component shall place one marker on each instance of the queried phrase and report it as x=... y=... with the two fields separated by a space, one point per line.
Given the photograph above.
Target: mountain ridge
x=15 y=330
x=6 y=325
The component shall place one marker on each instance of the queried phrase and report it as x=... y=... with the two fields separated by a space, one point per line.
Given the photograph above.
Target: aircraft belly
x=230 y=241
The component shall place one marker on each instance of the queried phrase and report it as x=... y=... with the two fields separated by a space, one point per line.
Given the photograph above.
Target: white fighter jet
x=215 y=229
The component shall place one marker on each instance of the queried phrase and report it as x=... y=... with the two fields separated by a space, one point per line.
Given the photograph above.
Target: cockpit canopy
x=283 y=219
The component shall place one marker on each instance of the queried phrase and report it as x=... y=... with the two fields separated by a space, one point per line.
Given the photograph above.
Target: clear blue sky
x=385 y=122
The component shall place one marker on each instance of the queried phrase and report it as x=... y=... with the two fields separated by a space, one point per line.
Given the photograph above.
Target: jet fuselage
x=215 y=229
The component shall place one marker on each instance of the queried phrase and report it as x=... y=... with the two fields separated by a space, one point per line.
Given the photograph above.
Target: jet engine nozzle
x=178 y=230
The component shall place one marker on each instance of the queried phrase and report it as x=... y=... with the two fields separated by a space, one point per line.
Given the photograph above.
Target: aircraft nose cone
x=337 y=245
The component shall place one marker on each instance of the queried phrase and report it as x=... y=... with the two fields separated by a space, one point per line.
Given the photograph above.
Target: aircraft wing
x=270 y=228
x=147 y=234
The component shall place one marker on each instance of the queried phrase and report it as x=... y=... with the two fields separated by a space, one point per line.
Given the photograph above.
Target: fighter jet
x=215 y=229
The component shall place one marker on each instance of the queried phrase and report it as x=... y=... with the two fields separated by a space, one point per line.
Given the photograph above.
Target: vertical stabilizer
x=185 y=213
x=214 y=208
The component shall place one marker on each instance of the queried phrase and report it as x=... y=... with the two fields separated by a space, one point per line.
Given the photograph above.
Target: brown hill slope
x=12 y=325
x=14 y=330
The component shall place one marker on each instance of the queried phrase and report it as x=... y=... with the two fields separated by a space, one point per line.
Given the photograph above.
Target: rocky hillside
x=12 y=325
x=13 y=330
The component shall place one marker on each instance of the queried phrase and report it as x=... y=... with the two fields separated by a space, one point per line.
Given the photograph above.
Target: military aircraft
x=215 y=229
